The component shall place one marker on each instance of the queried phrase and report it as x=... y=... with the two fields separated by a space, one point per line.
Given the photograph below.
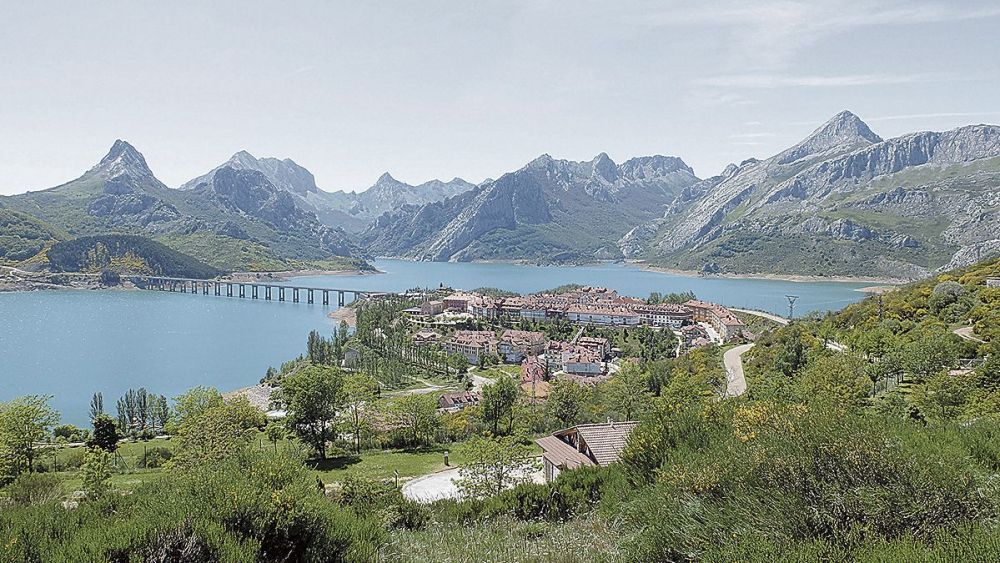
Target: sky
x=472 y=89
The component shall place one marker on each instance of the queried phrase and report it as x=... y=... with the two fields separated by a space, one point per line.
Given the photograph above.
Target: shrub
x=34 y=488
x=252 y=507
x=383 y=500
x=155 y=457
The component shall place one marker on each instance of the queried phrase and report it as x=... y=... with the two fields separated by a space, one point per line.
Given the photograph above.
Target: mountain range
x=841 y=202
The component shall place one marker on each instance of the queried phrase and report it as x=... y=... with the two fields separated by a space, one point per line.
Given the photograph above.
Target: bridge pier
x=208 y=287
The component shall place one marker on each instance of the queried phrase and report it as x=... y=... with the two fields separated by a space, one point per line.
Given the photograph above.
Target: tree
x=23 y=422
x=196 y=401
x=565 y=401
x=105 y=434
x=311 y=397
x=275 y=433
x=359 y=392
x=110 y=277
x=493 y=464
x=931 y=352
x=459 y=362
x=319 y=350
x=159 y=412
x=217 y=432
x=628 y=393
x=417 y=414
x=943 y=395
x=96 y=405
x=96 y=473
x=498 y=403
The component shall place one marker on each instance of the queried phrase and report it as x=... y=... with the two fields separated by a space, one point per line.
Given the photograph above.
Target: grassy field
x=372 y=464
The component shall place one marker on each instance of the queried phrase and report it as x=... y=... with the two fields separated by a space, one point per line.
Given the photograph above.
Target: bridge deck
x=148 y=279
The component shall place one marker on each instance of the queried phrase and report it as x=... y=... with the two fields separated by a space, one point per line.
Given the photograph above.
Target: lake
x=70 y=344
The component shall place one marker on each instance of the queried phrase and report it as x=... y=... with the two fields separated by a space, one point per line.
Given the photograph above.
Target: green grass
x=383 y=464
x=588 y=538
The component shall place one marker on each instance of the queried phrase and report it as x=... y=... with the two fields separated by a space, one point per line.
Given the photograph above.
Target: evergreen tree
x=106 y=435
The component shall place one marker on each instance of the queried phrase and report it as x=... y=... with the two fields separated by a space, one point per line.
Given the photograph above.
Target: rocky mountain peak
x=846 y=126
x=603 y=167
x=843 y=132
x=540 y=162
x=123 y=159
x=243 y=159
x=386 y=179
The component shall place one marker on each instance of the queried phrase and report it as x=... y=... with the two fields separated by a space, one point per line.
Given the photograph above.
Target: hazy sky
x=472 y=89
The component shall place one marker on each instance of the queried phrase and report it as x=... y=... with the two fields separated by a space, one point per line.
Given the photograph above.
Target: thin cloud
x=769 y=33
x=910 y=116
x=816 y=81
x=751 y=135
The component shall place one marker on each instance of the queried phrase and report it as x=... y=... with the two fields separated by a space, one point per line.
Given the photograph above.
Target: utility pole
x=791 y=305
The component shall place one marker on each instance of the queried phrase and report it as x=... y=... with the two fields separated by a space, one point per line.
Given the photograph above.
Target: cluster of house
x=587 y=356
x=588 y=305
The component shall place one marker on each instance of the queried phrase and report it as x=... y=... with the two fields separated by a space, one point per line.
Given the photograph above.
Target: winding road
x=965 y=333
x=732 y=359
x=736 y=382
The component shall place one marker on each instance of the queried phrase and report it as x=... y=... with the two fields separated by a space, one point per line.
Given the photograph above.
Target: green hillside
x=125 y=254
x=23 y=236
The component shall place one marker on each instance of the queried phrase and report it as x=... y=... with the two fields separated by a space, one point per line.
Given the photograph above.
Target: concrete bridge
x=249 y=289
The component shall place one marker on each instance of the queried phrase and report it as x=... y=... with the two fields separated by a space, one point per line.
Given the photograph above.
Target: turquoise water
x=760 y=294
x=70 y=344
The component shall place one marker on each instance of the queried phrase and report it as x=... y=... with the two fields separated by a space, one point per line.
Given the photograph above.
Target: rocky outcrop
x=971 y=254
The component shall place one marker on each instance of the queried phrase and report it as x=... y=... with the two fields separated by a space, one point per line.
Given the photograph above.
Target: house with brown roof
x=515 y=345
x=459 y=400
x=473 y=344
x=426 y=337
x=600 y=346
x=584 y=445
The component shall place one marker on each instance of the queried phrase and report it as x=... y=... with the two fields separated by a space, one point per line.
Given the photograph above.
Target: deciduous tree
x=23 y=422
x=498 y=403
x=359 y=391
x=311 y=397
x=493 y=464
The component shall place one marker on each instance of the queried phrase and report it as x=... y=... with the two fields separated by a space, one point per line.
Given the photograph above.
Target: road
x=965 y=333
x=736 y=383
x=441 y=485
x=766 y=315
